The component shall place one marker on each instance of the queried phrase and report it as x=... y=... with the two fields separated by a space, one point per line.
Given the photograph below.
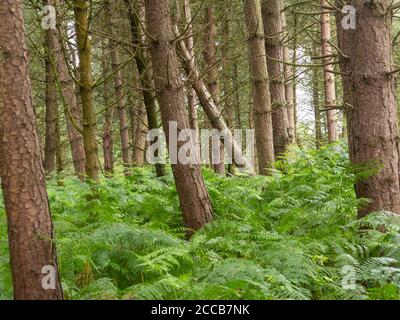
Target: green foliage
x=294 y=235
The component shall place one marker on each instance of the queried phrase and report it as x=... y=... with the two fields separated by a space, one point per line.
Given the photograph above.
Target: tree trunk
x=86 y=86
x=289 y=91
x=117 y=74
x=260 y=86
x=136 y=19
x=369 y=93
x=51 y=117
x=140 y=134
x=238 y=115
x=72 y=111
x=193 y=195
x=191 y=95
x=108 y=141
x=210 y=58
x=211 y=109
x=30 y=229
x=272 y=19
x=329 y=77
x=316 y=101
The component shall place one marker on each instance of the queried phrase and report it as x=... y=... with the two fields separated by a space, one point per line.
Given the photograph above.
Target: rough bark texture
x=85 y=86
x=117 y=75
x=193 y=195
x=271 y=13
x=210 y=58
x=30 y=230
x=136 y=17
x=260 y=86
x=329 y=77
x=369 y=92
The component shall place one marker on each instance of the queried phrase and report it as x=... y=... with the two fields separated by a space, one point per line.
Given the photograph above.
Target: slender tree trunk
x=51 y=117
x=191 y=95
x=108 y=141
x=136 y=19
x=210 y=58
x=72 y=111
x=260 y=86
x=193 y=195
x=329 y=77
x=86 y=86
x=238 y=115
x=369 y=93
x=272 y=19
x=117 y=73
x=289 y=92
x=30 y=229
x=294 y=71
x=139 y=137
x=316 y=101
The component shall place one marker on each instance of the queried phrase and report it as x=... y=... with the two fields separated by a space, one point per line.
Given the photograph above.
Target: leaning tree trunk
x=369 y=93
x=117 y=73
x=260 y=86
x=211 y=110
x=272 y=19
x=329 y=77
x=193 y=195
x=30 y=229
x=86 y=87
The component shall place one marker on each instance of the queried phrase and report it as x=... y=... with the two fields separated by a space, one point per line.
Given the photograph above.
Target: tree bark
x=191 y=94
x=272 y=19
x=139 y=140
x=72 y=110
x=316 y=101
x=210 y=58
x=289 y=90
x=260 y=86
x=136 y=17
x=86 y=86
x=117 y=75
x=211 y=110
x=329 y=77
x=369 y=93
x=51 y=117
x=30 y=229
x=193 y=195
x=108 y=141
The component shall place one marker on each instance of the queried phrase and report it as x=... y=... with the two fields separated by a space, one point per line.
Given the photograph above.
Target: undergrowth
x=294 y=235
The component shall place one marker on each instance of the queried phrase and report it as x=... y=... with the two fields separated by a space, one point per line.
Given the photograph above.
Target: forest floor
x=294 y=235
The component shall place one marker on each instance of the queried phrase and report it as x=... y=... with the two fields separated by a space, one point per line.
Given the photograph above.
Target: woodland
x=199 y=150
